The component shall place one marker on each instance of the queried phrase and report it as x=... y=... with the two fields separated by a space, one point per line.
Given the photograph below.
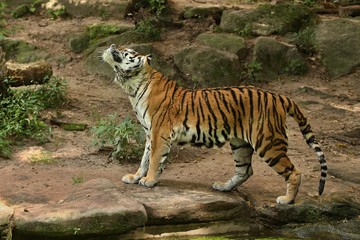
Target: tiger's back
x=249 y=118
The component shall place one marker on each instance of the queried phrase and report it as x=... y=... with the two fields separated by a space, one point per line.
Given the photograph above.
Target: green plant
x=2 y=20
x=245 y=31
x=147 y=27
x=20 y=113
x=252 y=71
x=126 y=137
x=296 y=67
x=305 y=39
x=77 y=180
x=157 y=6
x=309 y=3
x=56 y=13
x=43 y=157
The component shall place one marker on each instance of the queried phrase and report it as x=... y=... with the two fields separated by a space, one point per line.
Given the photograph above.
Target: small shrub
x=20 y=113
x=296 y=67
x=77 y=180
x=157 y=6
x=147 y=27
x=56 y=13
x=252 y=72
x=127 y=138
x=246 y=31
x=44 y=157
x=304 y=40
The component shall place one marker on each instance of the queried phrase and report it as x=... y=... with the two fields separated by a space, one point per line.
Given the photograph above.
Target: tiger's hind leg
x=242 y=154
x=281 y=163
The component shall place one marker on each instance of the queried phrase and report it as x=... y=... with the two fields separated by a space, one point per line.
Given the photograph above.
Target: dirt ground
x=333 y=107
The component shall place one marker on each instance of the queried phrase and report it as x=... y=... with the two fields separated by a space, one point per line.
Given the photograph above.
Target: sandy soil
x=334 y=116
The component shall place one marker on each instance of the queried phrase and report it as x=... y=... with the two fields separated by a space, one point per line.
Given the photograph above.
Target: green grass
x=20 y=113
x=44 y=157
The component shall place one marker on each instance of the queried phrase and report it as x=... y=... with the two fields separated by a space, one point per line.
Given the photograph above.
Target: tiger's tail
x=294 y=111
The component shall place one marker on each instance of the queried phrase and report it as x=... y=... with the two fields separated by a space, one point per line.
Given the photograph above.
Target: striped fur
x=251 y=119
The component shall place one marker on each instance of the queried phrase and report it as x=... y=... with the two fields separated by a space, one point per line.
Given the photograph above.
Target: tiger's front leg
x=160 y=148
x=144 y=165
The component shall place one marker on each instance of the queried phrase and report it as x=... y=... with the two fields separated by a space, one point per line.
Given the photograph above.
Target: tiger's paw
x=130 y=178
x=284 y=200
x=147 y=182
x=220 y=186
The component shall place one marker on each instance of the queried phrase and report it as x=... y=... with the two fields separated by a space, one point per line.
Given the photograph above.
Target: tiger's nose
x=112 y=46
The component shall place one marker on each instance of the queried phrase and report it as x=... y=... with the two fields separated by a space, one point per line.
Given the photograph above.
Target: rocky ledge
x=98 y=208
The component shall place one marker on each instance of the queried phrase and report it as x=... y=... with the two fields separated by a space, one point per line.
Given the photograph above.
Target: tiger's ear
x=149 y=57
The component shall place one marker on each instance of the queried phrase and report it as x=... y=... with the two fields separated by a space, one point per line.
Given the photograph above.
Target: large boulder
x=95 y=207
x=21 y=51
x=267 y=19
x=224 y=42
x=209 y=67
x=278 y=58
x=338 y=44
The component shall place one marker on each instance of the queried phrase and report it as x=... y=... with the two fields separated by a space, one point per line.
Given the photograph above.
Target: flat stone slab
x=166 y=206
x=96 y=207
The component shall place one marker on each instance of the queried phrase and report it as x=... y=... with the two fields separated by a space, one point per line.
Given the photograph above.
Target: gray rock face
x=209 y=67
x=267 y=19
x=96 y=206
x=224 y=42
x=338 y=44
x=277 y=58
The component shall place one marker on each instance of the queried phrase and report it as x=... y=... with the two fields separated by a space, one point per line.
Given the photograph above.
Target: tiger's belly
x=199 y=137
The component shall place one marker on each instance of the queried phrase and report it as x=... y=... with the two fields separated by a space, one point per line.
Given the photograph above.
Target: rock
x=268 y=19
x=90 y=8
x=331 y=231
x=338 y=44
x=21 y=11
x=27 y=73
x=277 y=58
x=6 y=214
x=78 y=42
x=103 y=30
x=333 y=207
x=21 y=51
x=225 y=42
x=209 y=67
x=167 y=206
x=349 y=11
x=95 y=207
x=196 y=12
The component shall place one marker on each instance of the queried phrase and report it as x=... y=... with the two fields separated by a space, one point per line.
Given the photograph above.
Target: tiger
x=252 y=120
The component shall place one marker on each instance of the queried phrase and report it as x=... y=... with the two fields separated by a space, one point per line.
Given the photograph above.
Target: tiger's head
x=126 y=62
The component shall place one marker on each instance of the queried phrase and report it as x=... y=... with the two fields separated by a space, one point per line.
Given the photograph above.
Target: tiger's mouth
x=113 y=57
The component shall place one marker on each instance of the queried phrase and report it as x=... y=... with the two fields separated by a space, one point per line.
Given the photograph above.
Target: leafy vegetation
x=252 y=72
x=305 y=39
x=44 y=157
x=20 y=113
x=296 y=67
x=2 y=20
x=157 y=6
x=127 y=138
x=147 y=27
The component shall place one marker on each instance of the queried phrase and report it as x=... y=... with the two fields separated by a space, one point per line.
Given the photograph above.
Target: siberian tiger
x=249 y=118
